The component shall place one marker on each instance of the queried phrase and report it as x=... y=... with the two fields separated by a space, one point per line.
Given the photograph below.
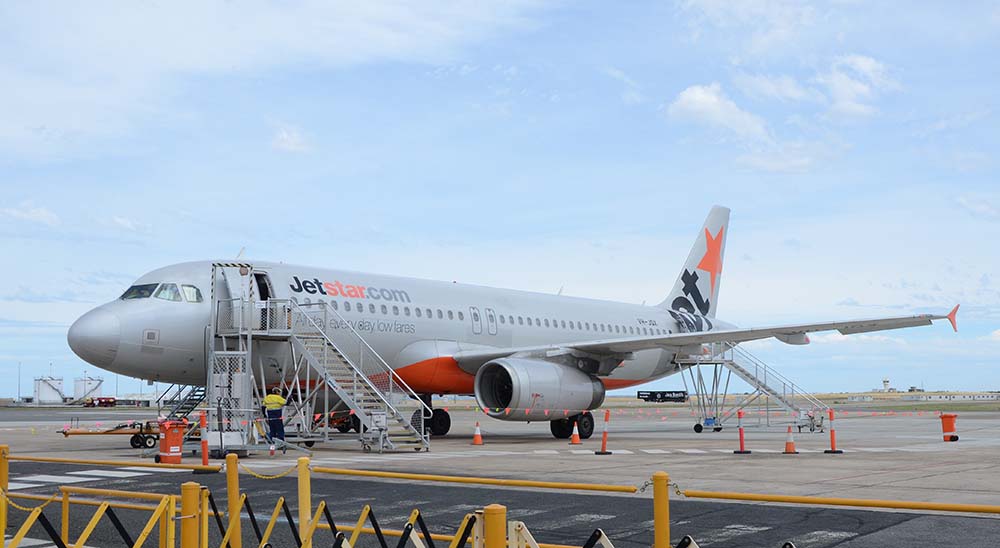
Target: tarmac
x=896 y=456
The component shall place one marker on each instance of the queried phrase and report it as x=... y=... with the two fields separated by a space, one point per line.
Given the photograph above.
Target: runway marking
x=693 y=451
x=519 y=513
x=621 y=452
x=815 y=539
x=108 y=473
x=656 y=451
x=18 y=485
x=581 y=452
x=874 y=449
x=36 y=543
x=545 y=452
x=56 y=479
x=586 y=518
x=730 y=532
x=154 y=469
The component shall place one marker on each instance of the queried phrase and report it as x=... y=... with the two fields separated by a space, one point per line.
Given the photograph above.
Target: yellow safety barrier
x=479 y=481
x=835 y=501
x=98 y=462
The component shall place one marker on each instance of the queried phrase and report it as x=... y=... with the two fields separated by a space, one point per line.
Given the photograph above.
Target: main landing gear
x=563 y=428
x=439 y=422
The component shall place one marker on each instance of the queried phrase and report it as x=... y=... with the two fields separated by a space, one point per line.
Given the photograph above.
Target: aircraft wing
x=472 y=359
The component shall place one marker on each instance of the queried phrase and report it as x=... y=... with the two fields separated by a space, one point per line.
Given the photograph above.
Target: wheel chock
x=687 y=542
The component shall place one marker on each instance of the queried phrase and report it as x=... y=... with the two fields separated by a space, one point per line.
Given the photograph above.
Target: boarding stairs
x=379 y=400
x=710 y=374
x=184 y=401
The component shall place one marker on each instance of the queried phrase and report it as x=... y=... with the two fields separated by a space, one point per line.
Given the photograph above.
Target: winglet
x=951 y=318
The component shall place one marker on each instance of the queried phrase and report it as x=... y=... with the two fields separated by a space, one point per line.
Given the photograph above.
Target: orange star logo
x=712 y=261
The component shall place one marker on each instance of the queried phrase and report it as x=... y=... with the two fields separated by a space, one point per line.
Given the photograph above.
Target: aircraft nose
x=95 y=336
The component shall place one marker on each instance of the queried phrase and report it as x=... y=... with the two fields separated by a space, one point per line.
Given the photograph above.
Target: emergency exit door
x=477 y=321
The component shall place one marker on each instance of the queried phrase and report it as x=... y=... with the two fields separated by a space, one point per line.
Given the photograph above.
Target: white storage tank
x=87 y=387
x=48 y=390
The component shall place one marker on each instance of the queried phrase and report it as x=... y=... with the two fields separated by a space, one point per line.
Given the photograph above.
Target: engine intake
x=521 y=383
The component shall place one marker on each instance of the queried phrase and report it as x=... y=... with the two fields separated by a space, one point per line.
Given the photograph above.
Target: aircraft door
x=491 y=321
x=477 y=322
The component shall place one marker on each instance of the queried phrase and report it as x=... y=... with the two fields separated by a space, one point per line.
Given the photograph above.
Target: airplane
x=508 y=348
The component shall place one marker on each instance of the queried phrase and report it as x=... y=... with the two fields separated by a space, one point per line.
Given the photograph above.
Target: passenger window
x=520 y=320
x=191 y=293
x=406 y=310
x=461 y=316
x=563 y=323
x=571 y=325
x=440 y=314
x=475 y=316
x=429 y=314
x=511 y=319
x=631 y=330
x=371 y=309
x=538 y=322
x=451 y=315
x=395 y=311
x=546 y=322
x=347 y=306
x=168 y=292
x=419 y=313
x=385 y=309
x=502 y=319
x=332 y=303
x=587 y=326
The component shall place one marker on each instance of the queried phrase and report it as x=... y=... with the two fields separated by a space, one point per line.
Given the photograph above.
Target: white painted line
x=621 y=452
x=822 y=538
x=546 y=452
x=874 y=449
x=581 y=452
x=698 y=451
x=656 y=451
x=18 y=485
x=56 y=479
x=587 y=518
x=28 y=542
x=766 y=451
x=730 y=532
x=155 y=469
x=108 y=473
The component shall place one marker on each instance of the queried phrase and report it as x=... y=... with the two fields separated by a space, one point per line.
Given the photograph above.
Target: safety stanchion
x=495 y=526
x=790 y=444
x=575 y=438
x=203 y=428
x=604 y=436
x=743 y=446
x=661 y=510
x=305 y=500
x=190 y=514
x=833 y=435
x=477 y=437
x=4 y=484
x=233 y=499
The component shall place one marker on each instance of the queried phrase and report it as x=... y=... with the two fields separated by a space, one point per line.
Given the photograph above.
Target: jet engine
x=516 y=384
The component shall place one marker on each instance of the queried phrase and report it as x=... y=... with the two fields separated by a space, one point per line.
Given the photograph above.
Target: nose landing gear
x=439 y=423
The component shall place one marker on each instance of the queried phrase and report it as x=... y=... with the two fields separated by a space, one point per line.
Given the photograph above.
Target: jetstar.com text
x=337 y=289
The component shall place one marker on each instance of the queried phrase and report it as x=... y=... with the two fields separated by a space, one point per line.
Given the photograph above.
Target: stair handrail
x=770 y=371
x=392 y=373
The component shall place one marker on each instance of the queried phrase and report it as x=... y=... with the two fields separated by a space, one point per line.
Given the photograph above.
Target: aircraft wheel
x=135 y=441
x=440 y=422
x=309 y=443
x=344 y=427
x=562 y=429
x=149 y=442
x=717 y=429
x=585 y=424
x=698 y=428
x=356 y=424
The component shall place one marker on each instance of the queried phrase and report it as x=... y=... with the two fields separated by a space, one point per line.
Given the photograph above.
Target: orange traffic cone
x=477 y=438
x=790 y=443
x=575 y=438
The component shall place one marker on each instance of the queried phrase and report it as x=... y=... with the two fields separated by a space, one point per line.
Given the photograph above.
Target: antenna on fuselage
x=240 y=254
x=560 y=289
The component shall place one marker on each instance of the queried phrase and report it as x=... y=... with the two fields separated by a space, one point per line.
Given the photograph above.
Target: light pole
x=19 y=382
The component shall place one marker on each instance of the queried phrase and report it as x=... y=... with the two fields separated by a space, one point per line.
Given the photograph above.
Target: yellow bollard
x=495 y=526
x=661 y=510
x=305 y=500
x=203 y=522
x=4 y=479
x=233 y=498
x=190 y=513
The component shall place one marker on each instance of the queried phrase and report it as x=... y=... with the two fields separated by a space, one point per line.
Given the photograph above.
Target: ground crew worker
x=273 y=403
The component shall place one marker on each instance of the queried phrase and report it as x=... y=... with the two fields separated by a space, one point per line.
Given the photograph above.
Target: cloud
x=978 y=207
x=129 y=224
x=101 y=69
x=26 y=211
x=288 y=138
x=992 y=337
x=782 y=88
x=956 y=121
x=632 y=94
x=28 y=295
x=709 y=105
x=853 y=82
x=762 y=26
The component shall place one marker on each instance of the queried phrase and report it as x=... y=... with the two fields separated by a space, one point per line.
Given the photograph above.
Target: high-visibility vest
x=274 y=401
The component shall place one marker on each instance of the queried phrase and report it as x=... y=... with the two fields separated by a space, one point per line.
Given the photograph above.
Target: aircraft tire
x=585 y=424
x=344 y=427
x=356 y=424
x=561 y=429
x=135 y=441
x=149 y=442
x=440 y=422
x=698 y=428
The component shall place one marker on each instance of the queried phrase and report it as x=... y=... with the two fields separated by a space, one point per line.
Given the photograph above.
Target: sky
x=530 y=145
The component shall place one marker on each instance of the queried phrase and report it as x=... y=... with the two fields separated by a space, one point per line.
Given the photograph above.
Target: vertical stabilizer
x=697 y=287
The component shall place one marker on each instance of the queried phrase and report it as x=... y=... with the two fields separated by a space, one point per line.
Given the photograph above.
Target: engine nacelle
x=520 y=383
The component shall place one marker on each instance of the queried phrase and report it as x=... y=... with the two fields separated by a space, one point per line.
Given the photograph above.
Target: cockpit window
x=143 y=291
x=168 y=292
x=191 y=293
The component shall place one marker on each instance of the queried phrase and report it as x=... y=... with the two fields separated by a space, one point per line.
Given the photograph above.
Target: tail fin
x=697 y=288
